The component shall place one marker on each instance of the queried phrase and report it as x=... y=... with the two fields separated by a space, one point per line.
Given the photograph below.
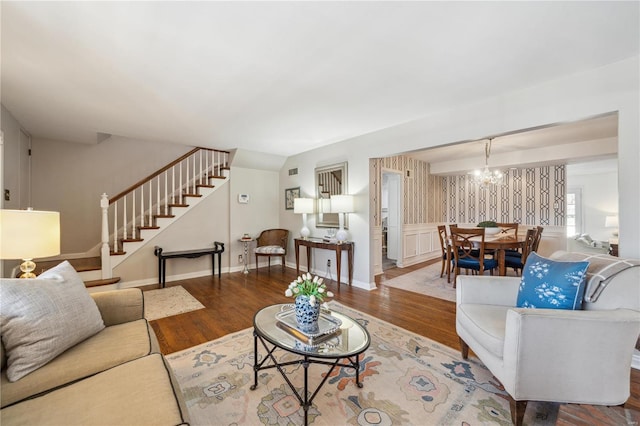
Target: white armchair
x=552 y=355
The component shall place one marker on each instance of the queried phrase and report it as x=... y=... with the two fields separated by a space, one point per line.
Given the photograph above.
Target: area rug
x=169 y=301
x=425 y=281
x=408 y=379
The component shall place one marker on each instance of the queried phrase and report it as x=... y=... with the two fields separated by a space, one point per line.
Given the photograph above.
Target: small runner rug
x=408 y=379
x=426 y=281
x=169 y=301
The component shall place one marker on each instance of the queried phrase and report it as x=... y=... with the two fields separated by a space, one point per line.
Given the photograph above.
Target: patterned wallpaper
x=422 y=199
x=531 y=196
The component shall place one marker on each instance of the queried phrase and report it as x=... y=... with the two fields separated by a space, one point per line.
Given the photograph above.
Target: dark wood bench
x=217 y=249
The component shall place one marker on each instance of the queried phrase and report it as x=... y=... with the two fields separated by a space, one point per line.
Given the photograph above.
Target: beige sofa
x=115 y=377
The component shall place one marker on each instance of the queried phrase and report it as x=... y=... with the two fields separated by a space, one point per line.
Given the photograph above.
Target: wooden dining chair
x=536 y=244
x=446 y=251
x=508 y=228
x=517 y=261
x=468 y=251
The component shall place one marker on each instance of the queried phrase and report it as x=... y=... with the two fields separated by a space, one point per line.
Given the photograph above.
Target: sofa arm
x=487 y=290
x=570 y=356
x=120 y=306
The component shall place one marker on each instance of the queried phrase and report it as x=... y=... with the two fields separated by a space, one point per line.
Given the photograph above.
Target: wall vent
x=293 y=171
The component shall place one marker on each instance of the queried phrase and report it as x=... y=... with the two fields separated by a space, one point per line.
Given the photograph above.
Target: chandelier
x=486 y=177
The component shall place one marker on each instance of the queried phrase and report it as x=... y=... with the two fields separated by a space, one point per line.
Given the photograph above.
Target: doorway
x=391 y=218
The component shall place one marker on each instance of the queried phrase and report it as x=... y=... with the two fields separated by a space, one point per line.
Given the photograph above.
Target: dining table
x=499 y=243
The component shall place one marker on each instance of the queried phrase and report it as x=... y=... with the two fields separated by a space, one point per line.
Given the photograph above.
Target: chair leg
x=517 y=410
x=282 y=257
x=464 y=349
x=442 y=269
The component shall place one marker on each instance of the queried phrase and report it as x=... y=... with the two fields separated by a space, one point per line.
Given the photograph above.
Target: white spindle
x=166 y=189
x=124 y=217
x=151 y=202
x=217 y=163
x=179 y=189
x=141 y=205
x=194 y=175
x=158 y=198
x=115 y=226
x=173 y=184
x=206 y=167
x=133 y=214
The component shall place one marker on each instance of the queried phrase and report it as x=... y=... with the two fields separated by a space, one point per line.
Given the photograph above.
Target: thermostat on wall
x=243 y=198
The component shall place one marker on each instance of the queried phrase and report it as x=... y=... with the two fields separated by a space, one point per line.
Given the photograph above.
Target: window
x=574 y=212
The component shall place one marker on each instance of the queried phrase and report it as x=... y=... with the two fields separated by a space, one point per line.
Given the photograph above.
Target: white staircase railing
x=139 y=206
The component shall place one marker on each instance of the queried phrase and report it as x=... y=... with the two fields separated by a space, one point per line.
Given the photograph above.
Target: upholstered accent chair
x=570 y=356
x=272 y=243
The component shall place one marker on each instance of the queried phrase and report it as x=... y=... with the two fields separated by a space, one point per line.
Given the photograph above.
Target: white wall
x=599 y=199
x=260 y=213
x=601 y=90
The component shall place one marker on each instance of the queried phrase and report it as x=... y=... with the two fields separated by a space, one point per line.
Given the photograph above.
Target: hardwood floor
x=232 y=300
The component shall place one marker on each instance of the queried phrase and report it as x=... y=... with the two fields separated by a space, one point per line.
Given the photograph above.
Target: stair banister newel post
x=104 y=249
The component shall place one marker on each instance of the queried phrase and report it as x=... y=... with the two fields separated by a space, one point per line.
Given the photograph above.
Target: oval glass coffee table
x=340 y=348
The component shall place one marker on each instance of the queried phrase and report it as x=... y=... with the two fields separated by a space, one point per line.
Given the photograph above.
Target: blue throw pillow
x=551 y=284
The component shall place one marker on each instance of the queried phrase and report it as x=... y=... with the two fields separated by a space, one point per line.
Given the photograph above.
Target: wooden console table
x=321 y=244
x=217 y=249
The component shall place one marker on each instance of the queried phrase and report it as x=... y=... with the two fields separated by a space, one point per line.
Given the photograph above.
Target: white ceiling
x=285 y=77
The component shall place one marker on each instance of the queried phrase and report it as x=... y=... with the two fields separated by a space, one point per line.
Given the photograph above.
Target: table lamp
x=612 y=222
x=342 y=204
x=303 y=206
x=29 y=234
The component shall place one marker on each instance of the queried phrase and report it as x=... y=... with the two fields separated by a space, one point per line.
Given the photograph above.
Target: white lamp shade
x=341 y=203
x=303 y=205
x=611 y=222
x=29 y=234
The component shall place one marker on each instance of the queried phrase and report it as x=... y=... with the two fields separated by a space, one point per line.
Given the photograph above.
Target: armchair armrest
x=570 y=356
x=487 y=290
x=120 y=306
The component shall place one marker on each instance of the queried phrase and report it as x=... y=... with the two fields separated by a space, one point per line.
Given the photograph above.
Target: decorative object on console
x=486 y=177
x=612 y=222
x=552 y=284
x=342 y=204
x=303 y=206
x=29 y=234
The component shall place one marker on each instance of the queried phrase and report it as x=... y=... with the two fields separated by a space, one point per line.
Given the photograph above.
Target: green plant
x=488 y=224
x=314 y=288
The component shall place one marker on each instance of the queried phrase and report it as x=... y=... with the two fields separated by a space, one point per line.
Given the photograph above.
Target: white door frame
x=400 y=252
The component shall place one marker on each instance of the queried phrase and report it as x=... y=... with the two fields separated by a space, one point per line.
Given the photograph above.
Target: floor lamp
x=303 y=206
x=29 y=234
x=342 y=204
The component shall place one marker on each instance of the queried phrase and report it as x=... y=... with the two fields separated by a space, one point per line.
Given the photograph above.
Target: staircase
x=133 y=217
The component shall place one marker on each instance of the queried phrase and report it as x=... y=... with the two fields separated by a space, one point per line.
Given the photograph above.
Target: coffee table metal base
x=305 y=400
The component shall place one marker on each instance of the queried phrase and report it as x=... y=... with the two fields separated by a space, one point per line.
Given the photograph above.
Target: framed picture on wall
x=289 y=195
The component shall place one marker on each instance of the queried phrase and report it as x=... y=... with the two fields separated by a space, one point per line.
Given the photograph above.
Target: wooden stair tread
x=117 y=253
x=177 y=205
x=192 y=195
x=148 y=227
x=131 y=240
x=166 y=216
x=96 y=283
x=202 y=185
x=79 y=264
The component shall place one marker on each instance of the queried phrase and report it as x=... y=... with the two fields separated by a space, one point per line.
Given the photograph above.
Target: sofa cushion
x=40 y=318
x=269 y=250
x=139 y=392
x=110 y=347
x=552 y=284
x=486 y=322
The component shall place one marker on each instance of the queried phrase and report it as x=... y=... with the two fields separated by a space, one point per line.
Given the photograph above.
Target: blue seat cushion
x=474 y=264
x=513 y=261
x=551 y=284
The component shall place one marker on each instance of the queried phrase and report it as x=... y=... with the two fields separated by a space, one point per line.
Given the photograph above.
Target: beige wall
x=70 y=177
